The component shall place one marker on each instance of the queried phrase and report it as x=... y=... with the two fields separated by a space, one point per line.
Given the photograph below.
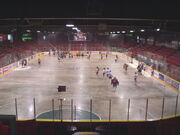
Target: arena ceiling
x=124 y=14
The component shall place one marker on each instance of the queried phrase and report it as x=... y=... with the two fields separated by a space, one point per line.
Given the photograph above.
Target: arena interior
x=91 y=73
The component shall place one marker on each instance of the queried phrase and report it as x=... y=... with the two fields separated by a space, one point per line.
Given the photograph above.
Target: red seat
x=4 y=129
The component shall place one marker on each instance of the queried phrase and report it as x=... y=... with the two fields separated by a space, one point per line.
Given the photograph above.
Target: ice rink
x=79 y=76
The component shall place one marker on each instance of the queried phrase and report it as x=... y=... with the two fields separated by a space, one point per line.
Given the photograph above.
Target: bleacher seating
x=96 y=47
x=175 y=73
x=165 y=52
x=153 y=49
x=136 y=49
x=77 y=47
x=174 y=59
x=60 y=45
x=127 y=45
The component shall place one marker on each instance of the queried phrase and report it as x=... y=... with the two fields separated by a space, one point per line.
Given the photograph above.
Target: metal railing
x=94 y=109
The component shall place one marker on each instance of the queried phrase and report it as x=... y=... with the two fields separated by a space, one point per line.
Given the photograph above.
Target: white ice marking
x=23 y=68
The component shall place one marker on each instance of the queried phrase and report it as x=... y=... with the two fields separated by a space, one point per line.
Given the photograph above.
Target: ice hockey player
x=97 y=70
x=114 y=82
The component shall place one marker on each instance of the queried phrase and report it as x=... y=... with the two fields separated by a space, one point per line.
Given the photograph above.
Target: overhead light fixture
x=158 y=29
x=38 y=31
x=69 y=25
x=44 y=37
x=53 y=32
x=123 y=32
x=28 y=30
x=142 y=30
x=118 y=32
x=74 y=28
x=131 y=31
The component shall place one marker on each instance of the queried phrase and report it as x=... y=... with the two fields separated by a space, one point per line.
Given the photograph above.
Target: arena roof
x=151 y=9
x=134 y=14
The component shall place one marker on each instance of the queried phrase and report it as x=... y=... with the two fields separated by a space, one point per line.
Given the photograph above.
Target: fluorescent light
x=28 y=30
x=69 y=25
x=142 y=30
x=9 y=36
x=131 y=31
x=158 y=29
x=38 y=31
x=44 y=37
x=74 y=28
x=118 y=31
x=123 y=31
